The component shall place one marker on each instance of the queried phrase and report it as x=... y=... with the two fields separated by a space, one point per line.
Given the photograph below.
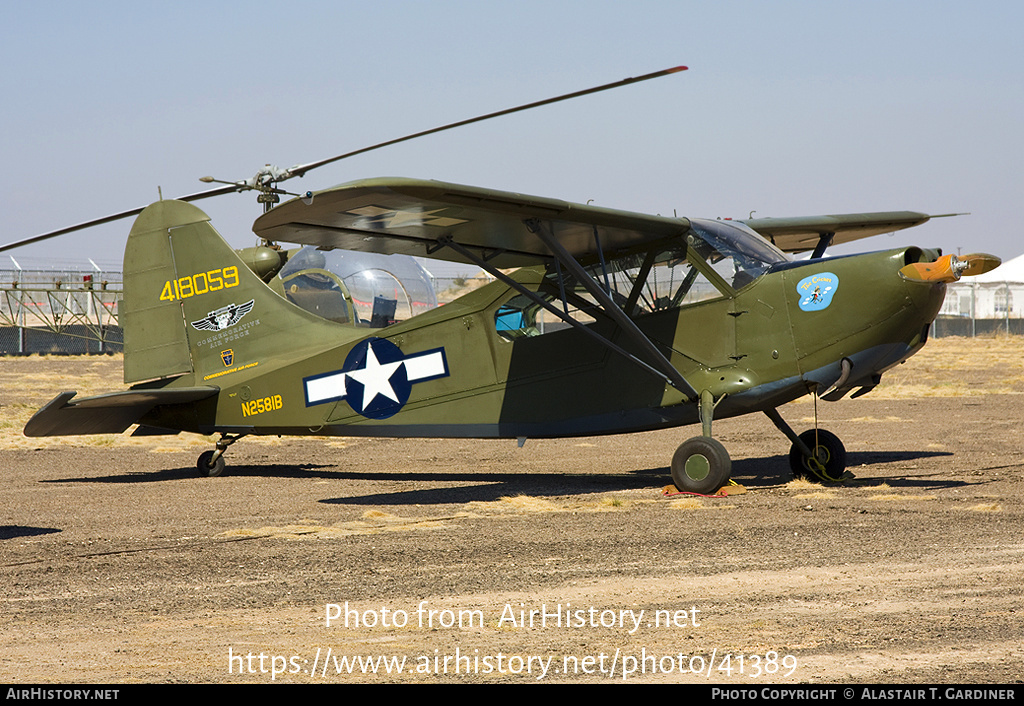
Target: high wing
x=491 y=229
x=414 y=217
x=804 y=233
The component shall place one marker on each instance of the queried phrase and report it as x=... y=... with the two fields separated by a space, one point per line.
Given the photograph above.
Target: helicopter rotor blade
x=301 y=169
x=114 y=217
x=266 y=178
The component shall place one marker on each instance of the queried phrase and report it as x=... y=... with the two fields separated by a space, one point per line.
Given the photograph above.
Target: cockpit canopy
x=367 y=289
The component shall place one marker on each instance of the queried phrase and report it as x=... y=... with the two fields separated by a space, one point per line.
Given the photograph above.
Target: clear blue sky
x=789 y=108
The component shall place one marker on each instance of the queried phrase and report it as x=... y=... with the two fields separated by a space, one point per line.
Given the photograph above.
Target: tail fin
x=192 y=306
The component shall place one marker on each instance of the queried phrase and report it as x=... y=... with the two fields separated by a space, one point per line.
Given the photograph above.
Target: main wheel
x=701 y=465
x=829 y=452
x=208 y=469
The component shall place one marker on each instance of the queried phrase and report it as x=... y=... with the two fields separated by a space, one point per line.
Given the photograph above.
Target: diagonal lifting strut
x=662 y=367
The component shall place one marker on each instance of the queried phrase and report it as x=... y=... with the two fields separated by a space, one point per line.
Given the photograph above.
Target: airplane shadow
x=482 y=486
x=15 y=531
x=303 y=470
x=775 y=470
x=489 y=486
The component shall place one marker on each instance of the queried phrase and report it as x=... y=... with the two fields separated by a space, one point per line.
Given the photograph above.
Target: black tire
x=208 y=470
x=829 y=451
x=701 y=465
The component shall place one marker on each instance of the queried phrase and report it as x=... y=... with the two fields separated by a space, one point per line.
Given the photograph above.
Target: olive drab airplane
x=598 y=321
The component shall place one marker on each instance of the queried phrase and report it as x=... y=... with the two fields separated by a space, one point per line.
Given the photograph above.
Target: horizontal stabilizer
x=106 y=414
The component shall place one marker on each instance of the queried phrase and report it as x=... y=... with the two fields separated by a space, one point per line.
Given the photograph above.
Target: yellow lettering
x=168 y=293
x=201 y=283
x=185 y=286
x=264 y=404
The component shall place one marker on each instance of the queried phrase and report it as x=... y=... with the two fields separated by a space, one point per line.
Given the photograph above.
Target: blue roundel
x=377 y=384
x=816 y=291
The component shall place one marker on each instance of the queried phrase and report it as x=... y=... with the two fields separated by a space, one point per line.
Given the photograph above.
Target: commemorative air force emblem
x=377 y=378
x=225 y=317
x=227 y=357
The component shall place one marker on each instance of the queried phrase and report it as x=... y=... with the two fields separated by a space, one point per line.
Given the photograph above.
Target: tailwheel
x=211 y=463
x=701 y=465
x=829 y=461
x=210 y=467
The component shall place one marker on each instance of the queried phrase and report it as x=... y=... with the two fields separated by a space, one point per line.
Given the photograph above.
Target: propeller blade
x=950 y=268
x=979 y=263
x=113 y=217
x=301 y=169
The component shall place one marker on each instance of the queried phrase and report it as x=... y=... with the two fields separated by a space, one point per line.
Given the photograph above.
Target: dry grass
x=954 y=367
x=27 y=383
x=957 y=367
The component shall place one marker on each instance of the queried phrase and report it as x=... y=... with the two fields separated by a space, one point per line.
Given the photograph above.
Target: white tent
x=996 y=297
x=1009 y=271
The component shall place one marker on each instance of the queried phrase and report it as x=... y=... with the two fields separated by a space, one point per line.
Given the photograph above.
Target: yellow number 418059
x=194 y=285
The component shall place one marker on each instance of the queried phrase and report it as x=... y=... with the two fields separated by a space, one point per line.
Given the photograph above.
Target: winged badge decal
x=225 y=317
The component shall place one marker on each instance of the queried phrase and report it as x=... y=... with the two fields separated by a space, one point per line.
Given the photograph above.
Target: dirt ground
x=478 y=561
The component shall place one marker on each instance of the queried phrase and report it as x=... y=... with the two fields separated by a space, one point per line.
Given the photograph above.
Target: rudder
x=190 y=303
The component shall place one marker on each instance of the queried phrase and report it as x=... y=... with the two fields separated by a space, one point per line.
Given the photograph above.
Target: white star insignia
x=375 y=378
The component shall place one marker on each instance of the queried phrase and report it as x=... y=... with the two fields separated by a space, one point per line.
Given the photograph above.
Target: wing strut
x=554 y=310
x=824 y=240
x=543 y=231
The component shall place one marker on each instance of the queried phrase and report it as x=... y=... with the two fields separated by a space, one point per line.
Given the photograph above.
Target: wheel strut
x=781 y=425
x=701 y=465
x=211 y=463
x=827 y=460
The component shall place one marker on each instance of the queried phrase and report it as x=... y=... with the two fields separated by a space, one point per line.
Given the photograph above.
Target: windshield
x=736 y=252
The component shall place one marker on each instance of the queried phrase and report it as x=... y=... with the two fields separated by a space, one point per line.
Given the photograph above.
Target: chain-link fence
x=70 y=312
x=981 y=308
x=450 y=288
x=75 y=312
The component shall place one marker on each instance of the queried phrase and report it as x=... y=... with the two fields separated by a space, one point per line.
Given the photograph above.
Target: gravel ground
x=478 y=561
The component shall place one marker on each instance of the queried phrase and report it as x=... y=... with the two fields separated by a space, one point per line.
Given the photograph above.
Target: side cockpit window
x=711 y=260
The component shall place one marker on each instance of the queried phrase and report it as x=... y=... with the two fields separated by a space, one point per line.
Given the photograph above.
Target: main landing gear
x=211 y=463
x=701 y=465
x=816 y=454
x=828 y=461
